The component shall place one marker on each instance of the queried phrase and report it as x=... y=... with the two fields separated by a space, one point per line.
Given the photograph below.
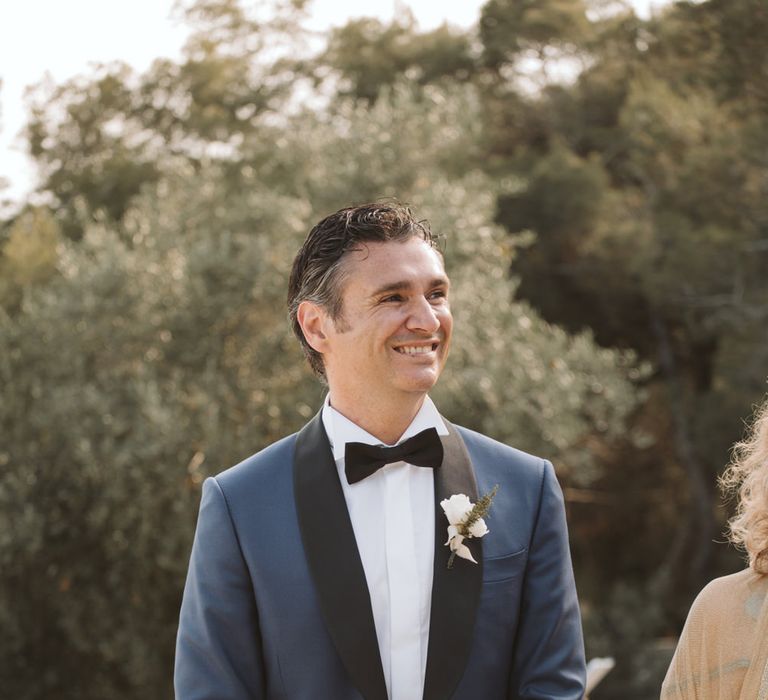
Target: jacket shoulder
x=262 y=470
x=487 y=451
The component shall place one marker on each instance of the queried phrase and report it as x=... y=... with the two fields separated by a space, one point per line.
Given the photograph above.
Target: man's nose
x=423 y=316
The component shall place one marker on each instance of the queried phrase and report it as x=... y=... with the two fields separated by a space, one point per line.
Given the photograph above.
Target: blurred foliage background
x=602 y=185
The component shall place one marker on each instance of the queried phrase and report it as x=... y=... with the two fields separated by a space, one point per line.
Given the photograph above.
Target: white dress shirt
x=393 y=517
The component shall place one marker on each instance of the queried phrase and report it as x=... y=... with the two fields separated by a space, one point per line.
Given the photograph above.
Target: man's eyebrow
x=407 y=284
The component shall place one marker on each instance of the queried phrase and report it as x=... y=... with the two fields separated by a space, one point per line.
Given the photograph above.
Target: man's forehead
x=391 y=265
x=406 y=251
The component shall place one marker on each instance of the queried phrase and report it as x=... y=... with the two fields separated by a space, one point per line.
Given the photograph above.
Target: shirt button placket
x=402 y=573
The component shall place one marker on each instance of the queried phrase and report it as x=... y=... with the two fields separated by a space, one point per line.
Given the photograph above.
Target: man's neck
x=385 y=421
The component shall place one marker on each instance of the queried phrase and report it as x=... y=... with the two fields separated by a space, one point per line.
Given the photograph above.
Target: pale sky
x=62 y=38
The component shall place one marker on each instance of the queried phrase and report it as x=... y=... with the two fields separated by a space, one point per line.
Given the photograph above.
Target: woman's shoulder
x=718 y=635
x=723 y=594
x=745 y=580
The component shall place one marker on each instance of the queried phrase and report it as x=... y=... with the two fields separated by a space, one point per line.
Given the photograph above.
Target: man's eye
x=393 y=297
x=438 y=294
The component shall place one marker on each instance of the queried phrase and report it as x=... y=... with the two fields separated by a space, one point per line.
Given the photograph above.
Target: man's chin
x=419 y=383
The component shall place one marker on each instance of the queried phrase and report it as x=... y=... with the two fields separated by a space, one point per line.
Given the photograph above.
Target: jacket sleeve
x=218 y=646
x=549 y=648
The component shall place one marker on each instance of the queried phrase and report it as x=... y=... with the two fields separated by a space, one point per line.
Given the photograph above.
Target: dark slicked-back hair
x=318 y=271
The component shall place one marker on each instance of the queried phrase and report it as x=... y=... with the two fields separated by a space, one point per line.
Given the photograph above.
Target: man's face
x=394 y=333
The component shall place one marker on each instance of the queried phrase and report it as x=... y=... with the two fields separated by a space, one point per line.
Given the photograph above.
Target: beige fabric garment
x=723 y=650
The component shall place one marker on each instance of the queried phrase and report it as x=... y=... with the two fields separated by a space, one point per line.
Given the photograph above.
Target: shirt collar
x=341 y=430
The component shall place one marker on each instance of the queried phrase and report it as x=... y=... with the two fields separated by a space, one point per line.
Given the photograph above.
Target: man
x=320 y=570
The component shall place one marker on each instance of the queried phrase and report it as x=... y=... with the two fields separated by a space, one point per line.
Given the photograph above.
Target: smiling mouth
x=416 y=349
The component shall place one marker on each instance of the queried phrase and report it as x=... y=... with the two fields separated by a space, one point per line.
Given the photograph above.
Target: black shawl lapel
x=456 y=591
x=334 y=560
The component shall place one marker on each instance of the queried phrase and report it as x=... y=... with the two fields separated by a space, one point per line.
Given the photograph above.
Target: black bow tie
x=423 y=450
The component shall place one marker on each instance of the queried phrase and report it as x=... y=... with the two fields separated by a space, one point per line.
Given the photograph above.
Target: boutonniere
x=465 y=520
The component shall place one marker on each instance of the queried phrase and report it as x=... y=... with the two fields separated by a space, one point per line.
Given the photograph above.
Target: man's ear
x=313 y=321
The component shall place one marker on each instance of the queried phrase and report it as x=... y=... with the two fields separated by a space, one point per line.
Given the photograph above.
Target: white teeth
x=415 y=350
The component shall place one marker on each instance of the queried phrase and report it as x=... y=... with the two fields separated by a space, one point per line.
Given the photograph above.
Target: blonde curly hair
x=747 y=476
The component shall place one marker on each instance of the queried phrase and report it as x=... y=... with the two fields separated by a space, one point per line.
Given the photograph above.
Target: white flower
x=456 y=508
x=457 y=545
x=478 y=528
x=453 y=531
x=459 y=510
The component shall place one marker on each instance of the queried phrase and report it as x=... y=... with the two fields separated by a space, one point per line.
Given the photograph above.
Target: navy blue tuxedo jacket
x=276 y=603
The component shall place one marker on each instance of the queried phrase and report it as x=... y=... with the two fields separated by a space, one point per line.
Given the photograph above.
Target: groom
x=319 y=569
